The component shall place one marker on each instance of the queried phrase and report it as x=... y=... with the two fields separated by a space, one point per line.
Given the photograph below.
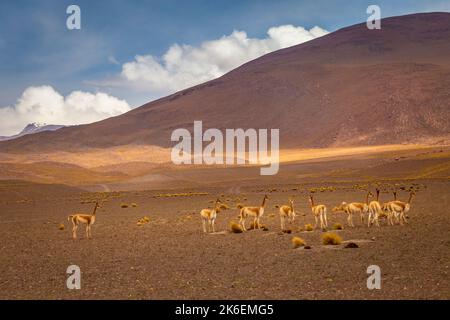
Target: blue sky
x=36 y=48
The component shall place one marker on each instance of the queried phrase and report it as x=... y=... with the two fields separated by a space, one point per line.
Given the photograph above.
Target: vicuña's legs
x=242 y=222
x=212 y=223
x=317 y=221
x=282 y=223
x=74 y=231
x=325 y=219
x=321 y=221
x=204 y=225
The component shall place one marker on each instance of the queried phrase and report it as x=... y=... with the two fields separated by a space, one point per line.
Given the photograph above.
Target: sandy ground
x=171 y=258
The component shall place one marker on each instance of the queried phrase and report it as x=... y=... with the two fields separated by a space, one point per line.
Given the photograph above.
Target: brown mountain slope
x=352 y=87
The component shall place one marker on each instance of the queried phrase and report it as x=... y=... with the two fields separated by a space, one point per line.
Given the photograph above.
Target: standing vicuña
x=320 y=212
x=399 y=208
x=255 y=212
x=375 y=211
x=209 y=216
x=355 y=208
x=287 y=212
x=77 y=218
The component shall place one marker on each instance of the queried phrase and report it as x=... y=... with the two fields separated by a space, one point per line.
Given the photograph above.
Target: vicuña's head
x=370 y=194
x=266 y=197
x=291 y=201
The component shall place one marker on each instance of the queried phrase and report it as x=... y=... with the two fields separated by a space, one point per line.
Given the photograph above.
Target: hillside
x=352 y=87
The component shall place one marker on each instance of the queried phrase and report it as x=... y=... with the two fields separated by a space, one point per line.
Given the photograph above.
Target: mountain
x=352 y=87
x=33 y=128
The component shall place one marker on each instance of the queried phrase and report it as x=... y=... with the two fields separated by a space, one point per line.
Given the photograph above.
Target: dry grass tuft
x=298 y=242
x=309 y=227
x=337 y=226
x=235 y=227
x=143 y=221
x=134 y=205
x=224 y=206
x=124 y=205
x=61 y=226
x=330 y=238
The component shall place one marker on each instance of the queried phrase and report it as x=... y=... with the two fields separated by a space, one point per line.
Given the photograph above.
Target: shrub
x=124 y=205
x=134 y=205
x=235 y=227
x=337 y=226
x=298 y=242
x=61 y=226
x=330 y=238
x=309 y=227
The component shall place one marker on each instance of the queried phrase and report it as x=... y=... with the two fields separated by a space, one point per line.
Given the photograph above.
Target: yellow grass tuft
x=124 y=205
x=134 y=205
x=309 y=227
x=61 y=226
x=337 y=226
x=239 y=206
x=298 y=242
x=235 y=227
x=224 y=206
x=143 y=221
x=330 y=238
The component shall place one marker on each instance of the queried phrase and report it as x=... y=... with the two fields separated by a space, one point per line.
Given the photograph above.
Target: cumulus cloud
x=183 y=66
x=44 y=104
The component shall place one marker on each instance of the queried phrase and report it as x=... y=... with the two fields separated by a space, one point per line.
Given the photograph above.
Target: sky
x=128 y=53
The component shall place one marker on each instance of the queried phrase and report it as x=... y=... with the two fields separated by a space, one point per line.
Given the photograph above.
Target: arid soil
x=171 y=258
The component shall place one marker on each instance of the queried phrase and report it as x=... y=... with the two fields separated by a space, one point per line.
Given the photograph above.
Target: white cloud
x=183 y=66
x=44 y=104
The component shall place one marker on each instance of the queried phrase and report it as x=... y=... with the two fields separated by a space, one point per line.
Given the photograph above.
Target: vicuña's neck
x=264 y=202
x=378 y=194
x=410 y=198
x=95 y=210
x=367 y=198
x=312 y=202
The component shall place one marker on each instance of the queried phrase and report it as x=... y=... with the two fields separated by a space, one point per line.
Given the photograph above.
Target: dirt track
x=170 y=257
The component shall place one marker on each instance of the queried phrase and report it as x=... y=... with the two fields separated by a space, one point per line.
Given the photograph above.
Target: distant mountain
x=351 y=87
x=33 y=128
